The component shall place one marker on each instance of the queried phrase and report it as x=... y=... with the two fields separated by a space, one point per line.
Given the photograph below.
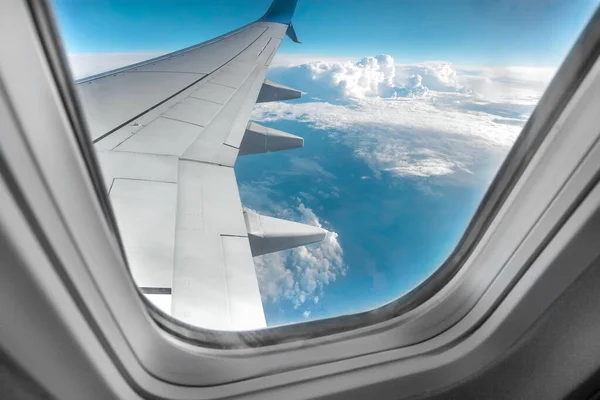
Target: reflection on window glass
x=407 y=111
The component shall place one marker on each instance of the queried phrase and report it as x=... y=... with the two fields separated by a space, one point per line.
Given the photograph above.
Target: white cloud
x=409 y=137
x=434 y=75
x=307 y=166
x=424 y=120
x=369 y=77
x=516 y=85
x=300 y=274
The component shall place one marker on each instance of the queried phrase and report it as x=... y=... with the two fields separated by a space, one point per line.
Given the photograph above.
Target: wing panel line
x=186 y=122
x=174 y=94
x=164 y=57
x=164 y=72
x=205 y=162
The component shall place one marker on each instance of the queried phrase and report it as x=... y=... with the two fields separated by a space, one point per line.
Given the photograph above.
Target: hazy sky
x=467 y=32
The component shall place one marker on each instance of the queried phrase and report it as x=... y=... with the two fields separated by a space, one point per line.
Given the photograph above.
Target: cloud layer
x=425 y=137
x=422 y=120
x=369 y=77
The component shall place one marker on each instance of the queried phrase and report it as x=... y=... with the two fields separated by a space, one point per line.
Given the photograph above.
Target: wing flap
x=210 y=252
x=145 y=212
x=199 y=294
x=242 y=286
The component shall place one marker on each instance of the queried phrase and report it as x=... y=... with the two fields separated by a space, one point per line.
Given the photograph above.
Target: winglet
x=292 y=33
x=281 y=11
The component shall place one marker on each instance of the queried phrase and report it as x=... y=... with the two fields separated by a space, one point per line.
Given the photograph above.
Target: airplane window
x=259 y=182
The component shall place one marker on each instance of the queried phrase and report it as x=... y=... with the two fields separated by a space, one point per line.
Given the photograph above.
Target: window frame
x=159 y=362
x=559 y=92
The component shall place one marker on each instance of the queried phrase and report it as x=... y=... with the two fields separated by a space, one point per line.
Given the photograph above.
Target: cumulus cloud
x=371 y=76
x=424 y=120
x=298 y=275
x=301 y=274
x=381 y=76
x=436 y=75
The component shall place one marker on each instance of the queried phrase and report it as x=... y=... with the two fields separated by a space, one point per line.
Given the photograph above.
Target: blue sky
x=467 y=32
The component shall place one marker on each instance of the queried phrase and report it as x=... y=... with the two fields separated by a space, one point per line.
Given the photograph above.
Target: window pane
x=408 y=110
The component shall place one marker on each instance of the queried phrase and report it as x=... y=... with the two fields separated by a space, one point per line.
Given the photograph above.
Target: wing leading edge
x=168 y=132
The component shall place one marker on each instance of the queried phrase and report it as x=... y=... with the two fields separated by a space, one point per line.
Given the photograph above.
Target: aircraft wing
x=168 y=132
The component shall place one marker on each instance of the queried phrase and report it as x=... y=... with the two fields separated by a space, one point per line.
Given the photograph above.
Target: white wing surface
x=168 y=132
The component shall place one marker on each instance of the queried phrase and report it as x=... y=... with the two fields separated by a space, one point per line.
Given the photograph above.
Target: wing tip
x=291 y=33
x=280 y=11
